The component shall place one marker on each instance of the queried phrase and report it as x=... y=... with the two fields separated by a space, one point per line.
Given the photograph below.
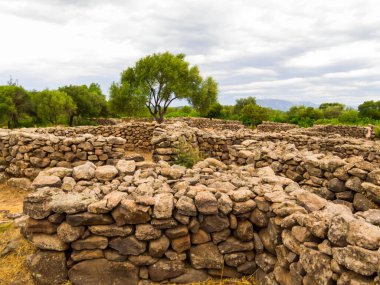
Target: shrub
x=188 y=155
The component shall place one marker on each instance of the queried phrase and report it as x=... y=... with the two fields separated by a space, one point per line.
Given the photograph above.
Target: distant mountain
x=283 y=105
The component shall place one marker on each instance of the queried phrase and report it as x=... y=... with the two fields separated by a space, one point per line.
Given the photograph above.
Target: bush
x=187 y=154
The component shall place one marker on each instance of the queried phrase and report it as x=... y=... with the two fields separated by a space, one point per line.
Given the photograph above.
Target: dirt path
x=13 y=268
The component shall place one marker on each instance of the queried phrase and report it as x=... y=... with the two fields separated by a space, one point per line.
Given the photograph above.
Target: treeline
x=251 y=114
x=148 y=88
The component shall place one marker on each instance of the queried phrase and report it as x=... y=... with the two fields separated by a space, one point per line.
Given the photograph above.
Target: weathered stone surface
x=163 y=206
x=190 y=276
x=48 y=267
x=111 y=230
x=86 y=254
x=147 y=232
x=91 y=242
x=46 y=181
x=158 y=247
x=214 y=223
x=317 y=265
x=181 y=244
x=126 y=166
x=166 y=269
x=266 y=261
x=186 y=206
x=108 y=203
x=233 y=245
x=68 y=233
x=200 y=237
x=103 y=272
x=225 y=204
x=85 y=171
x=244 y=231
x=89 y=219
x=363 y=234
x=40 y=226
x=206 y=203
x=48 y=242
x=128 y=245
x=21 y=183
x=206 y=255
x=357 y=259
x=129 y=212
x=71 y=203
x=106 y=172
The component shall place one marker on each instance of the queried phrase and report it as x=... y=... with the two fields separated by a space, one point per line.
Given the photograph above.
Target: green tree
x=124 y=100
x=253 y=114
x=205 y=97
x=303 y=116
x=331 y=110
x=370 y=109
x=160 y=79
x=215 y=111
x=14 y=104
x=52 y=106
x=241 y=103
x=90 y=101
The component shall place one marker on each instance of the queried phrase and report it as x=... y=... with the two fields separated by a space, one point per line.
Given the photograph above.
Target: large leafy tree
x=53 y=106
x=14 y=103
x=90 y=101
x=241 y=103
x=160 y=79
x=253 y=114
x=124 y=100
x=206 y=97
x=370 y=109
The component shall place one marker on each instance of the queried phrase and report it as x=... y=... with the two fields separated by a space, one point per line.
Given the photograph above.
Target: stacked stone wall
x=275 y=127
x=353 y=182
x=319 y=130
x=141 y=222
x=26 y=154
x=137 y=134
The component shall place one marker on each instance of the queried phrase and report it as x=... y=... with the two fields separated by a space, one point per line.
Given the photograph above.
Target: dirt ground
x=14 y=249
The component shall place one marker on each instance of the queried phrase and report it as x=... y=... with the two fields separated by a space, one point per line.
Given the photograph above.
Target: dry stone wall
x=141 y=222
x=320 y=130
x=353 y=182
x=217 y=144
x=137 y=134
x=26 y=154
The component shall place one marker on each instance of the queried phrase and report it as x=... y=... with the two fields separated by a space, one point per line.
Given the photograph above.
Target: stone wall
x=26 y=154
x=141 y=221
x=353 y=182
x=275 y=127
x=136 y=134
x=319 y=130
x=217 y=144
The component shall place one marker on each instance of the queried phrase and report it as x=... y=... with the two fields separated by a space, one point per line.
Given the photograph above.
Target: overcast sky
x=318 y=51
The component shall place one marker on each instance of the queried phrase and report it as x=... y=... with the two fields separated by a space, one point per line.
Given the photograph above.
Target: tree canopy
x=158 y=80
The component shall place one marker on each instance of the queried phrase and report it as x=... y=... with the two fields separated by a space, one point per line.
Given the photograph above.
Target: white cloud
x=289 y=49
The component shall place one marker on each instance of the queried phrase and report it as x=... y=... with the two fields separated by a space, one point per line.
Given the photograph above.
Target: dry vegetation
x=13 y=268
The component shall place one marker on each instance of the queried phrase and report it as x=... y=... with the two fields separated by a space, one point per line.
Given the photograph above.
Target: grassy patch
x=13 y=265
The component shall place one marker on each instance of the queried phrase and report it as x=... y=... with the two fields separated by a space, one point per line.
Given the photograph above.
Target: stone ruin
x=286 y=207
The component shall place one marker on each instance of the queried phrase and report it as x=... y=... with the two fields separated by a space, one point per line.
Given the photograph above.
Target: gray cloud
x=315 y=51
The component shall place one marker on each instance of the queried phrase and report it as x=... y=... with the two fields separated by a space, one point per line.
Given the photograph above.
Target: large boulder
x=104 y=272
x=106 y=172
x=21 y=183
x=46 y=181
x=166 y=269
x=84 y=172
x=206 y=255
x=48 y=267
